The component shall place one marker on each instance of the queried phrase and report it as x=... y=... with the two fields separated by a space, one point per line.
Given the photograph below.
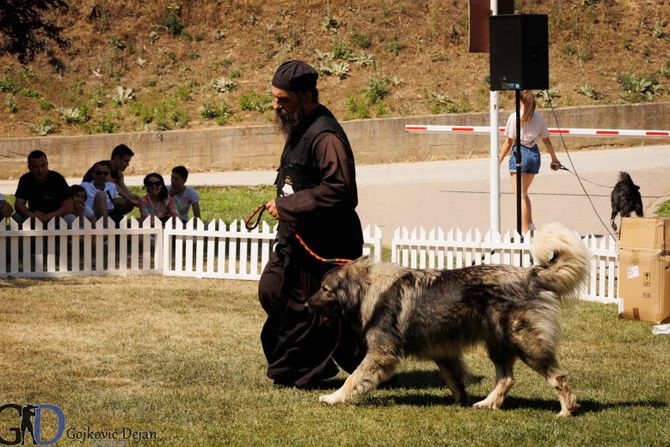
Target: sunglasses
x=155 y=183
x=102 y=173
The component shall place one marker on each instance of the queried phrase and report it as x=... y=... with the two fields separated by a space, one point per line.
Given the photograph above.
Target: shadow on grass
x=429 y=379
x=426 y=379
x=513 y=403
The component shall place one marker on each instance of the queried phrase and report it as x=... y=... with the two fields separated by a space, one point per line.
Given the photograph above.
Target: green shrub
x=252 y=101
x=29 y=93
x=357 y=107
x=9 y=85
x=330 y=23
x=342 y=51
x=143 y=111
x=439 y=103
x=106 y=124
x=395 y=46
x=172 y=23
x=664 y=209
x=221 y=112
x=46 y=127
x=11 y=105
x=169 y=115
x=641 y=88
x=377 y=89
x=361 y=41
x=590 y=92
x=117 y=43
x=569 y=49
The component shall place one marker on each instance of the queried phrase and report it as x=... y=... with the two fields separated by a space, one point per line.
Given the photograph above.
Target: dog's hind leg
x=614 y=213
x=374 y=369
x=546 y=365
x=504 y=381
x=454 y=372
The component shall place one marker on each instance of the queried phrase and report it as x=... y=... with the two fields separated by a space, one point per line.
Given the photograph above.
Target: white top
x=91 y=190
x=533 y=130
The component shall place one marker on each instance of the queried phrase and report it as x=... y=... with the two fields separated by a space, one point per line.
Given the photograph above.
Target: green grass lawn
x=181 y=357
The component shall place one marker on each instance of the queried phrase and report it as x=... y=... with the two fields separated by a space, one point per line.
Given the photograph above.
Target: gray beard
x=288 y=122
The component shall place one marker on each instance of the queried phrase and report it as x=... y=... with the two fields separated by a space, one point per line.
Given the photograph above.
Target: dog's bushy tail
x=563 y=259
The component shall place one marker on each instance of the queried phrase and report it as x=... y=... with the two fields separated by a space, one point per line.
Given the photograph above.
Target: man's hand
x=42 y=217
x=272 y=209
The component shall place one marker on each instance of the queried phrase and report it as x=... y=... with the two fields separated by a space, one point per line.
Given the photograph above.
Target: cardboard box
x=644 y=269
x=645 y=232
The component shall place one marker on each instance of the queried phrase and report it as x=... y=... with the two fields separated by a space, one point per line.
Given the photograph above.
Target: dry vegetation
x=160 y=65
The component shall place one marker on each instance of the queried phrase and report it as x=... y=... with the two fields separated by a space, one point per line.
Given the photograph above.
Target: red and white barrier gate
x=420 y=128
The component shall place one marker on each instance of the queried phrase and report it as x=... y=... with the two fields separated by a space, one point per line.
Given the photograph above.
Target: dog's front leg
x=373 y=370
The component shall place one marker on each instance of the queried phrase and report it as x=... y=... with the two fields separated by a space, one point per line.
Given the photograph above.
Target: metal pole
x=494 y=165
x=518 y=162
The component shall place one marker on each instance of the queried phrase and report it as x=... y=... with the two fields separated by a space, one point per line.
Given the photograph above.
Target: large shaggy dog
x=626 y=198
x=437 y=314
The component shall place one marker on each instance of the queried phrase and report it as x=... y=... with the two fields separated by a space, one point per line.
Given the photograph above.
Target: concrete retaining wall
x=259 y=147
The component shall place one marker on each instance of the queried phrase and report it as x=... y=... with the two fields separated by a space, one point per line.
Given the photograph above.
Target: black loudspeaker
x=519 y=48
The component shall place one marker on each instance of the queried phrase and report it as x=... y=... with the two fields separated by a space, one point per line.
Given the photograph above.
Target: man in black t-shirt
x=41 y=194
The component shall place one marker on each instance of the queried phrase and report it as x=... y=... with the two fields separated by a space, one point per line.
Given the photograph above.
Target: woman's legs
x=526 y=208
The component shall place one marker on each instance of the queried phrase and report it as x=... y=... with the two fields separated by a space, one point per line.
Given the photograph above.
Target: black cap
x=295 y=76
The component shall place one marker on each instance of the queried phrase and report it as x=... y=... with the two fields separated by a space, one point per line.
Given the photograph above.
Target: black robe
x=299 y=349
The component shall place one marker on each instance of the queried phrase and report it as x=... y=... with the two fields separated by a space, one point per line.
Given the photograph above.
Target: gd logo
x=25 y=416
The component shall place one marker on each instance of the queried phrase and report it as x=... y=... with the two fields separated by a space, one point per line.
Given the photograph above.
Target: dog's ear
x=362 y=264
x=363 y=260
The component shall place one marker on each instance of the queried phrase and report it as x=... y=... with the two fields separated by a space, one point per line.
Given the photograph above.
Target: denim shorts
x=530 y=160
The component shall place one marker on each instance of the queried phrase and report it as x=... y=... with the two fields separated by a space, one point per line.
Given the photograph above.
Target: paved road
x=455 y=193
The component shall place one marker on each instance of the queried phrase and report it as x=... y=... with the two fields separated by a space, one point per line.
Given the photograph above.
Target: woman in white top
x=533 y=128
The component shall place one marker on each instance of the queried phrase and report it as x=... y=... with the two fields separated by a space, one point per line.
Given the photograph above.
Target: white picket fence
x=418 y=248
x=212 y=250
x=217 y=250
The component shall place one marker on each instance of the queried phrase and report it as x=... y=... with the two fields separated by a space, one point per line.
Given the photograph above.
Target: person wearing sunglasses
x=100 y=193
x=157 y=202
x=118 y=162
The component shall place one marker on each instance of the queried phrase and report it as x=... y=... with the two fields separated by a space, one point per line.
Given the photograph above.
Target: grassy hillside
x=160 y=65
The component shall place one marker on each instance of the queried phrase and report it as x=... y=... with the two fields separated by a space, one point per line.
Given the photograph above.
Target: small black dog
x=626 y=198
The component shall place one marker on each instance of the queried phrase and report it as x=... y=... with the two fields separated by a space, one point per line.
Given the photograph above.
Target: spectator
x=100 y=193
x=79 y=208
x=5 y=208
x=157 y=202
x=41 y=193
x=184 y=196
x=118 y=163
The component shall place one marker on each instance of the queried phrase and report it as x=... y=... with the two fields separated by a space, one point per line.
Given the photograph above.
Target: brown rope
x=260 y=209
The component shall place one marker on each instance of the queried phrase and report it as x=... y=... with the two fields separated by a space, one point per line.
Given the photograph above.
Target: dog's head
x=342 y=289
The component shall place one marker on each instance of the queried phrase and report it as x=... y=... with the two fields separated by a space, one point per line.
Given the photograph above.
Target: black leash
x=563 y=168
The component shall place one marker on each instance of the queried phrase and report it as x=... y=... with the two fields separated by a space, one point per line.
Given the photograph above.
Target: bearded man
x=316 y=199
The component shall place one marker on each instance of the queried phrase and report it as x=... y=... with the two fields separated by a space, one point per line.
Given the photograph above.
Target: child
x=79 y=208
x=184 y=196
